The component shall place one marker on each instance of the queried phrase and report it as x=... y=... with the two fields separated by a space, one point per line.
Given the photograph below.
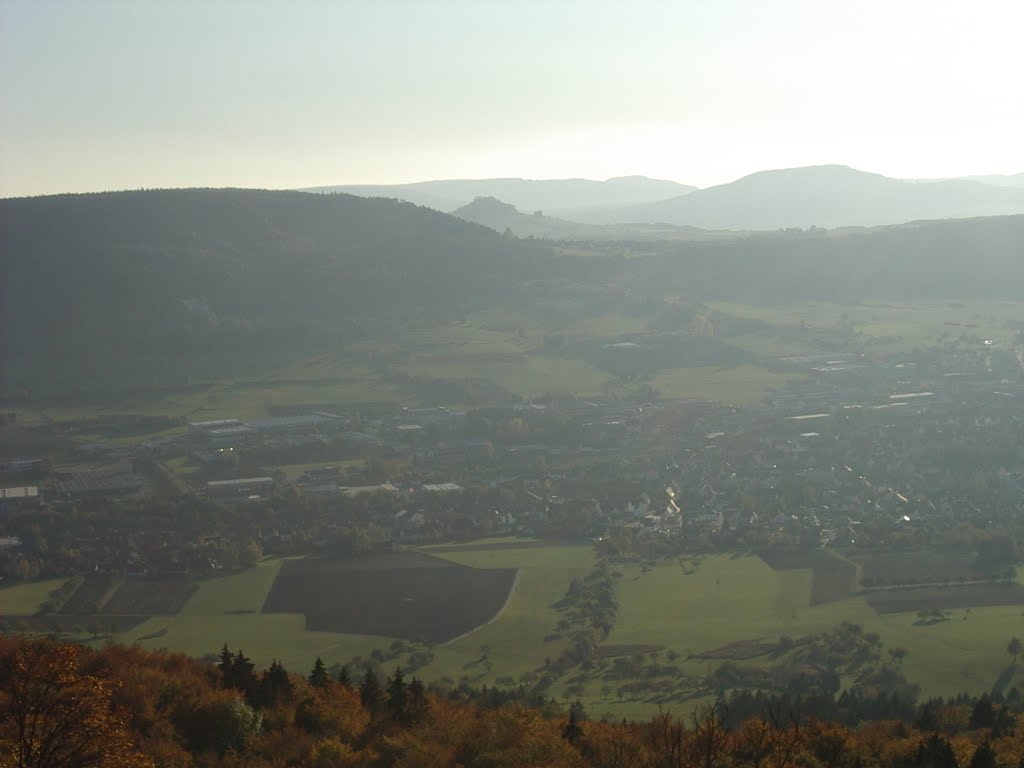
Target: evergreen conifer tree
x=343 y=676
x=984 y=756
x=275 y=685
x=397 y=696
x=417 y=704
x=318 y=676
x=572 y=732
x=370 y=693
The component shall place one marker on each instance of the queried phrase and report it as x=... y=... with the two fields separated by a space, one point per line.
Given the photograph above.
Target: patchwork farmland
x=946 y=597
x=166 y=595
x=88 y=625
x=833 y=578
x=132 y=595
x=913 y=567
x=486 y=612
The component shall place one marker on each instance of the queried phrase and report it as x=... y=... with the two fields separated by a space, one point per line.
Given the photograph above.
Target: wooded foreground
x=62 y=705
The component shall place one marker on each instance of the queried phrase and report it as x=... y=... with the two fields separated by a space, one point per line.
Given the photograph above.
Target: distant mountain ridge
x=525 y=194
x=825 y=196
x=507 y=219
x=999 y=180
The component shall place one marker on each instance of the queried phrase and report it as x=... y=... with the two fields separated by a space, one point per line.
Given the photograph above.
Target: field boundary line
x=495 y=617
x=859 y=569
x=937 y=585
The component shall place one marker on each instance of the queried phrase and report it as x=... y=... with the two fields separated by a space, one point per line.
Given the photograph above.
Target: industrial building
x=243 y=486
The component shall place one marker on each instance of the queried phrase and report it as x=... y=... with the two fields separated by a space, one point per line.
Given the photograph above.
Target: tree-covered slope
x=197 y=277
x=955 y=259
x=120 y=290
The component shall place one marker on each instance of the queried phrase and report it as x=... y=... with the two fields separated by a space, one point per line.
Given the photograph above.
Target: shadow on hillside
x=1005 y=680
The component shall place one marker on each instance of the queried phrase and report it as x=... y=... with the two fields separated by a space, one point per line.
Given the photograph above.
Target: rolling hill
x=953 y=259
x=525 y=194
x=132 y=285
x=139 y=289
x=507 y=219
x=1000 y=180
x=494 y=214
x=823 y=196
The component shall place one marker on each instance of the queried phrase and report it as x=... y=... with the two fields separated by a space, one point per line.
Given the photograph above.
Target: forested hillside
x=211 y=280
x=120 y=290
x=63 y=705
x=955 y=259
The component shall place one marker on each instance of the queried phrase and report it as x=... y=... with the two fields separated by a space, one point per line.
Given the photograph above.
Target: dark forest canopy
x=946 y=259
x=211 y=282
x=231 y=275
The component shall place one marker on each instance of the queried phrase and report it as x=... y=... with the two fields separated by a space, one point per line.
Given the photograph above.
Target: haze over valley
x=574 y=384
x=823 y=196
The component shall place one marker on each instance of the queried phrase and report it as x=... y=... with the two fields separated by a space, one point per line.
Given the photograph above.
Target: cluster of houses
x=853 y=453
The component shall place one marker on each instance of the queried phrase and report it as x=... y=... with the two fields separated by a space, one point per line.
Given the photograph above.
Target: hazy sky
x=99 y=95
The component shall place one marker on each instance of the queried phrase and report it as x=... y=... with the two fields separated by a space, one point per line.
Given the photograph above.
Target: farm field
x=91 y=595
x=913 y=567
x=511 y=356
x=237 y=593
x=263 y=638
x=81 y=626
x=497 y=354
x=964 y=652
x=515 y=640
x=502 y=347
x=140 y=596
x=727 y=599
x=733 y=605
x=832 y=576
x=945 y=598
x=231 y=609
x=729 y=609
x=319 y=381
x=227 y=609
x=406 y=595
x=26 y=599
x=890 y=326
x=736 y=385
x=20 y=606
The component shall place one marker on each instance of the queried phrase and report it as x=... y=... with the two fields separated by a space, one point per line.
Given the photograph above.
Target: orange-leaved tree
x=53 y=715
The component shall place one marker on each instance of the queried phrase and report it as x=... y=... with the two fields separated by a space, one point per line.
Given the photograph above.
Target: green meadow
x=726 y=600
x=739 y=598
x=228 y=609
x=26 y=599
x=515 y=638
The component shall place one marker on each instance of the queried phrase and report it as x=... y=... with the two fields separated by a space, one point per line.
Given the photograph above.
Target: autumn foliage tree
x=53 y=715
x=69 y=706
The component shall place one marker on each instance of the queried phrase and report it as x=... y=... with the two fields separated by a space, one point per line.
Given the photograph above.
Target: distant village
x=920 y=450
